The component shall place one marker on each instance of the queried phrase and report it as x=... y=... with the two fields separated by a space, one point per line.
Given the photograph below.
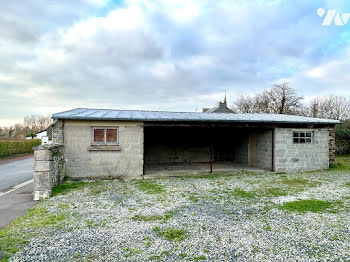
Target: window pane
x=99 y=135
x=308 y=134
x=296 y=140
x=296 y=134
x=308 y=140
x=302 y=140
x=111 y=135
x=302 y=134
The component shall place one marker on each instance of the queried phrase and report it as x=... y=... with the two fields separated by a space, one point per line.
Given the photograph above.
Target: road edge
x=17 y=187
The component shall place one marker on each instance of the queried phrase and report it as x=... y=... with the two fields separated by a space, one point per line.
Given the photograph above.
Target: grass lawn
x=231 y=217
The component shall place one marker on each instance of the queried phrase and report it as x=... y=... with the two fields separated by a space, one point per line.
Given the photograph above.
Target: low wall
x=49 y=169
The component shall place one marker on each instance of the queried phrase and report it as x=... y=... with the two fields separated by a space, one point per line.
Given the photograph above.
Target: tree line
x=30 y=126
x=283 y=99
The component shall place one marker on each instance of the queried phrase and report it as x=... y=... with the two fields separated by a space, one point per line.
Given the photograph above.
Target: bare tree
x=245 y=104
x=333 y=107
x=263 y=103
x=30 y=126
x=283 y=99
x=280 y=99
x=36 y=123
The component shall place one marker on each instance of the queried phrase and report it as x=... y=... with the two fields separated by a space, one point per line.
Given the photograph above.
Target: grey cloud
x=160 y=63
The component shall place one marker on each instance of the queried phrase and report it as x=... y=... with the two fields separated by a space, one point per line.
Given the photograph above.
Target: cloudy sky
x=164 y=54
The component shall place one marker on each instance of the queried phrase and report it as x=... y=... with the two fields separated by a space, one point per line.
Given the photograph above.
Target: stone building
x=221 y=107
x=101 y=143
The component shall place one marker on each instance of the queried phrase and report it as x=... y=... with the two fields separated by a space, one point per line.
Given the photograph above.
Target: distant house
x=45 y=135
x=220 y=108
x=103 y=142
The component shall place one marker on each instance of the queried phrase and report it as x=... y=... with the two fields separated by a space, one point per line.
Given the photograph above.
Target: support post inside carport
x=211 y=158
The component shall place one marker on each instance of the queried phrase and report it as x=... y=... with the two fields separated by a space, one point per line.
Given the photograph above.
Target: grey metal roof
x=140 y=115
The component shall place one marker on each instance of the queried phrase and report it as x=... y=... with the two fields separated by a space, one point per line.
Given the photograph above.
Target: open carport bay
x=181 y=149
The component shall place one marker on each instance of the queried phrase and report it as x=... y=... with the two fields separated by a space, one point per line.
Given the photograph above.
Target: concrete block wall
x=126 y=160
x=49 y=169
x=301 y=157
x=264 y=149
x=179 y=154
x=241 y=150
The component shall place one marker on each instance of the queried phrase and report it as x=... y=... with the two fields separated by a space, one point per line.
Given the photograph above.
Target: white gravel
x=220 y=225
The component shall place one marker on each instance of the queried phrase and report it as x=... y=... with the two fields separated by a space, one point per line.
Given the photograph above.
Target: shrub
x=13 y=147
x=342 y=141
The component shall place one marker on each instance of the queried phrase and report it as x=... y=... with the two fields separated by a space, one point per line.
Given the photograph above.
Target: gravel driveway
x=239 y=217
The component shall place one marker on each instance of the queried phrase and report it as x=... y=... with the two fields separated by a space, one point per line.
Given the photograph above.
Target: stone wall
x=331 y=147
x=58 y=132
x=301 y=157
x=86 y=161
x=49 y=169
x=264 y=149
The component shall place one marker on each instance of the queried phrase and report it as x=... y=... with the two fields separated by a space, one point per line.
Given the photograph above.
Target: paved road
x=16 y=172
x=15 y=199
x=15 y=204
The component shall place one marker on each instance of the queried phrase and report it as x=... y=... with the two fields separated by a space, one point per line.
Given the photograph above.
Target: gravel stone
x=219 y=225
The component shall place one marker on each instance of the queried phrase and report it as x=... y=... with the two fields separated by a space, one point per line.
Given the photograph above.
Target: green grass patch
x=342 y=163
x=98 y=187
x=127 y=251
x=198 y=258
x=63 y=206
x=171 y=233
x=160 y=257
x=227 y=193
x=276 y=192
x=147 y=241
x=295 y=185
x=347 y=184
x=242 y=193
x=165 y=217
x=66 y=187
x=36 y=217
x=139 y=217
x=11 y=244
x=308 y=205
x=193 y=198
x=17 y=233
x=295 y=182
x=150 y=187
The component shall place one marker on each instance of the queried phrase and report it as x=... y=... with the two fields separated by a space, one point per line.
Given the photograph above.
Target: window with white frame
x=104 y=136
x=302 y=137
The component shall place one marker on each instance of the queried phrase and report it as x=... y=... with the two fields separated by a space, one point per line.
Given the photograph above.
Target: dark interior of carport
x=181 y=147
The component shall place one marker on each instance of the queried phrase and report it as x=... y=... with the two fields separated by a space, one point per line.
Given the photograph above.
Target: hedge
x=13 y=147
x=342 y=141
